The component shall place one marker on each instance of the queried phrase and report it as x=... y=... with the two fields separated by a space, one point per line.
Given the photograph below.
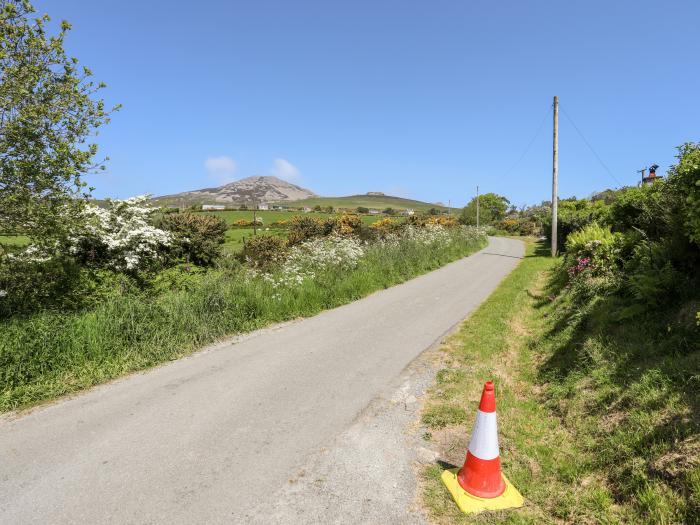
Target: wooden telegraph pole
x=555 y=173
x=255 y=218
x=477 y=206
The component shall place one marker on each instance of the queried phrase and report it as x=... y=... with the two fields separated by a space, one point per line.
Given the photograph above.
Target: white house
x=213 y=207
x=263 y=206
x=374 y=212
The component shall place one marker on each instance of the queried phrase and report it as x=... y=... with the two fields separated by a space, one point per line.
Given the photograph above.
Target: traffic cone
x=479 y=485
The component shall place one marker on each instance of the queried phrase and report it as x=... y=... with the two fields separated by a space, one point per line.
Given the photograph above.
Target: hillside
x=378 y=202
x=244 y=191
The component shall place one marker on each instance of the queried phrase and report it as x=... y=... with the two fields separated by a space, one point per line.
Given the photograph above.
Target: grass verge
x=50 y=354
x=598 y=421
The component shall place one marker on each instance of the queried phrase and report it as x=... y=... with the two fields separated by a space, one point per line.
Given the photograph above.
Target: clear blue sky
x=422 y=99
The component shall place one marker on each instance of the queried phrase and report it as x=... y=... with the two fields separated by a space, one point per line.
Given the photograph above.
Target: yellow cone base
x=470 y=504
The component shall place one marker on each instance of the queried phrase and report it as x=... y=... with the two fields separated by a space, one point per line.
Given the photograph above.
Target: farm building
x=213 y=207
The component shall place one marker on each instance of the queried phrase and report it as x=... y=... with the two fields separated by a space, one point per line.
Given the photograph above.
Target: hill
x=244 y=191
x=371 y=201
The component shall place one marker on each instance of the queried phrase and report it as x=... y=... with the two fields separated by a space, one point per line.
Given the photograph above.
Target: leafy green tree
x=684 y=181
x=362 y=209
x=388 y=211
x=48 y=111
x=492 y=208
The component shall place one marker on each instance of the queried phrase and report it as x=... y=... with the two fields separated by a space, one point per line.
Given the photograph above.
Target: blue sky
x=419 y=99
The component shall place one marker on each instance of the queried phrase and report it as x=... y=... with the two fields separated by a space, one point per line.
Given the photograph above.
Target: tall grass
x=50 y=354
x=598 y=420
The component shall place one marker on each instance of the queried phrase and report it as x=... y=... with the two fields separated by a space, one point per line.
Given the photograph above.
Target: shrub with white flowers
x=119 y=236
x=308 y=259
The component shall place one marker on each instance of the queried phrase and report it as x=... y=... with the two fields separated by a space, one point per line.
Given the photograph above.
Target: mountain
x=249 y=190
x=371 y=200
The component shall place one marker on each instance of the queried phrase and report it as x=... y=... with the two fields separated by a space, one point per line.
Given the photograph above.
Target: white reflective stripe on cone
x=484 y=442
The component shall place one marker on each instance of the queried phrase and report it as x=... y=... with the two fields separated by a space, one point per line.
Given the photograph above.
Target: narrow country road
x=219 y=437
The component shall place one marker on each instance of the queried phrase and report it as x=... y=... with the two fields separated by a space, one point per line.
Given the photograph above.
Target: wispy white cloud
x=221 y=168
x=285 y=170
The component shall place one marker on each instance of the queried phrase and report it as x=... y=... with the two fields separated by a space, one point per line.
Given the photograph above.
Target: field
x=235 y=236
x=13 y=240
x=377 y=202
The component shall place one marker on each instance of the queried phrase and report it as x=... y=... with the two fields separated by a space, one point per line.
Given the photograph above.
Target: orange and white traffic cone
x=479 y=485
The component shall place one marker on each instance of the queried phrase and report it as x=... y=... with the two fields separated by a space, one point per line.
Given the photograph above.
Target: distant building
x=409 y=211
x=374 y=212
x=653 y=177
x=213 y=207
x=263 y=206
x=306 y=209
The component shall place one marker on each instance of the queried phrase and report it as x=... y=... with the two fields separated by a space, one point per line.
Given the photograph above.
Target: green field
x=377 y=202
x=235 y=236
x=14 y=240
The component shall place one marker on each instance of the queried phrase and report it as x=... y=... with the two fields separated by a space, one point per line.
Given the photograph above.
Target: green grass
x=14 y=240
x=50 y=354
x=598 y=422
x=377 y=202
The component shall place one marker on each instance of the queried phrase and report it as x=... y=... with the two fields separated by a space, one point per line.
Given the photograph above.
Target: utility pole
x=643 y=172
x=477 y=206
x=255 y=220
x=555 y=173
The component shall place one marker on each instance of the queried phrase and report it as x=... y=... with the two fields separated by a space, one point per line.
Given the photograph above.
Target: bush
x=348 y=224
x=384 y=226
x=573 y=214
x=593 y=247
x=57 y=283
x=362 y=209
x=184 y=276
x=302 y=228
x=442 y=220
x=263 y=251
x=684 y=181
x=119 y=236
x=519 y=226
x=197 y=238
x=642 y=208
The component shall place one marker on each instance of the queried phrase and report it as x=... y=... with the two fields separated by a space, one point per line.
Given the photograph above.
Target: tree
x=388 y=211
x=362 y=209
x=47 y=114
x=492 y=208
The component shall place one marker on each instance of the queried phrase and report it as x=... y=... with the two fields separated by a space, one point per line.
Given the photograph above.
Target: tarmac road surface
x=221 y=436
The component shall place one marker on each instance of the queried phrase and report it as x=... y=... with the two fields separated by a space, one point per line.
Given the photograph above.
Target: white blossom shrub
x=309 y=259
x=119 y=236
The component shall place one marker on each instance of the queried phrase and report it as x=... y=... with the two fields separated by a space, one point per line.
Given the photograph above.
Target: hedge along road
x=212 y=437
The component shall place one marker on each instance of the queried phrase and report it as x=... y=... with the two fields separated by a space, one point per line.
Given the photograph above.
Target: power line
x=603 y=163
x=605 y=167
x=532 y=141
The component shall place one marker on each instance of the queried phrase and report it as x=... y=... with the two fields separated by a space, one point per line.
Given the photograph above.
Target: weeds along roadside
x=598 y=419
x=50 y=354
